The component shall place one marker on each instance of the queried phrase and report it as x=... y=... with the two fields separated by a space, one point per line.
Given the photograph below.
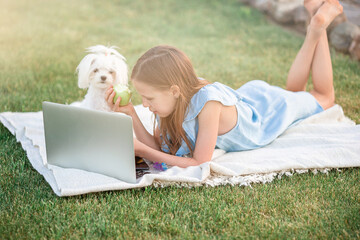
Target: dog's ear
x=83 y=70
x=121 y=70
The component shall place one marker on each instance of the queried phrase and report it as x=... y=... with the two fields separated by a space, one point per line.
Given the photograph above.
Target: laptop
x=91 y=140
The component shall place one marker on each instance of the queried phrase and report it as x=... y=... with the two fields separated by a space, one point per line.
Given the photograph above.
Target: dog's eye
x=96 y=70
x=111 y=72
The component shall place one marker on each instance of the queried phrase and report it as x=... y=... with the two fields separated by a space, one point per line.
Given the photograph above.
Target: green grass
x=42 y=42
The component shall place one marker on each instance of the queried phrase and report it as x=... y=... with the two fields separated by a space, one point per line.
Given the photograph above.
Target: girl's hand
x=109 y=96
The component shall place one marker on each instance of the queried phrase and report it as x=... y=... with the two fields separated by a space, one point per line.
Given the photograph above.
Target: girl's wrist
x=132 y=112
x=139 y=148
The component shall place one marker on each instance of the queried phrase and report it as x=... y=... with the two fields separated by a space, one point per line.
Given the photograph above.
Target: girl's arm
x=141 y=133
x=209 y=118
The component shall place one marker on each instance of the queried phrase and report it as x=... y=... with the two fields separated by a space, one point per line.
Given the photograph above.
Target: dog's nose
x=103 y=78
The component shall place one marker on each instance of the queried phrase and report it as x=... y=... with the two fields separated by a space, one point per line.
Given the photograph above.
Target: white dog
x=101 y=68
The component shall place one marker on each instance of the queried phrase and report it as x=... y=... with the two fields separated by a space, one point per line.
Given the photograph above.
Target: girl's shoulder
x=212 y=92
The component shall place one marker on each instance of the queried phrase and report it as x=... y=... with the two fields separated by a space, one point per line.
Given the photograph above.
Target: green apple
x=124 y=92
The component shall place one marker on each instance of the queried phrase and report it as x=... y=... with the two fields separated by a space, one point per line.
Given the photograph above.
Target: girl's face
x=160 y=102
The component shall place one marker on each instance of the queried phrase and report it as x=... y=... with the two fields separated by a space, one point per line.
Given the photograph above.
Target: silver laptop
x=90 y=140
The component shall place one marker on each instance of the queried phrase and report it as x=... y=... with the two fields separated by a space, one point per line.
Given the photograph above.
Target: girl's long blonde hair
x=162 y=67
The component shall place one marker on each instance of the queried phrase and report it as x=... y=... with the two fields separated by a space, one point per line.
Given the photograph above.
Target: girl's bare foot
x=325 y=14
x=312 y=6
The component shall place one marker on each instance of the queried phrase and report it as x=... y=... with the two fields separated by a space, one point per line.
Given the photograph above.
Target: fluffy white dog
x=101 y=68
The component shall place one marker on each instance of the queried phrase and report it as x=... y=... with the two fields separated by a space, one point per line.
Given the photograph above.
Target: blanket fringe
x=220 y=180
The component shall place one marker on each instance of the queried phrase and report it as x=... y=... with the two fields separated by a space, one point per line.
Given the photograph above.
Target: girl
x=194 y=117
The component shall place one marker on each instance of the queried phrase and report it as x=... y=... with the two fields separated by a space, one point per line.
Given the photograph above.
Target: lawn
x=42 y=42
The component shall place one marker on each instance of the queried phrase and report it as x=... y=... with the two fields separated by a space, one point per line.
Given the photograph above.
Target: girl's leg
x=300 y=69
x=314 y=54
x=322 y=74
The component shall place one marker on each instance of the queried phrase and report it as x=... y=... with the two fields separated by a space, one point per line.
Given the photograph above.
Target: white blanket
x=323 y=141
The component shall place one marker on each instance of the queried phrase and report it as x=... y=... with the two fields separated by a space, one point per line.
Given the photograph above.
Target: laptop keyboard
x=140 y=173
